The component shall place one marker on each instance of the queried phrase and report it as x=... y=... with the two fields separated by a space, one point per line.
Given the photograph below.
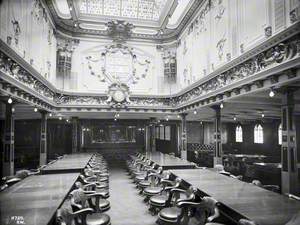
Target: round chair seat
x=153 y=190
x=102 y=179
x=170 y=214
x=212 y=223
x=144 y=183
x=97 y=219
x=102 y=186
x=159 y=200
x=104 y=205
x=105 y=193
x=139 y=178
x=139 y=173
x=103 y=174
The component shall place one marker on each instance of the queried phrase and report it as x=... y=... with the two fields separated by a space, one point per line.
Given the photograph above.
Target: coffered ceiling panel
x=164 y=18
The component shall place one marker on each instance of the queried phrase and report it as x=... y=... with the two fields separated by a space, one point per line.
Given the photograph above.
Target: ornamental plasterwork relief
x=37 y=10
x=295 y=14
x=103 y=101
x=220 y=47
x=119 y=30
x=61 y=99
x=198 y=25
x=16 y=29
x=8 y=66
x=118 y=95
x=276 y=55
x=220 y=10
x=152 y=102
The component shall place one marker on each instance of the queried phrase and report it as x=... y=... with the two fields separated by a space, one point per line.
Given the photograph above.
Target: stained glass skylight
x=135 y=9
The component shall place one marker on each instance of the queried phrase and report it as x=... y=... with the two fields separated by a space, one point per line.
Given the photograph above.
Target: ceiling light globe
x=9 y=100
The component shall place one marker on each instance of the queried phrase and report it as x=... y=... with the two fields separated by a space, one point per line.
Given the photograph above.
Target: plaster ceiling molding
x=62 y=9
x=73 y=17
x=93 y=26
x=144 y=31
x=179 y=13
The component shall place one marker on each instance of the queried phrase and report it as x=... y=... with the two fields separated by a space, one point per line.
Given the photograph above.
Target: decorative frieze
x=11 y=68
x=276 y=55
x=295 y=15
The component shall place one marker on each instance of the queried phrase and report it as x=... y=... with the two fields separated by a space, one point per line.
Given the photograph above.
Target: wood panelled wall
x=203 y=134
x=104 y=147
x=27 y=141
x=169 y=146
x=270 y=147
x=59 y=139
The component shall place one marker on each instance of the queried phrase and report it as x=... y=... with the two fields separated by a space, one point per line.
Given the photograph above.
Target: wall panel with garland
x=26 y=27
x=225 y=29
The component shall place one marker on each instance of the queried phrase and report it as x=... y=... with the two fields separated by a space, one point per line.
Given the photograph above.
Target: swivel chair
x=180 y=210
x=81 y=199
x=162 y=200
x=86 y=216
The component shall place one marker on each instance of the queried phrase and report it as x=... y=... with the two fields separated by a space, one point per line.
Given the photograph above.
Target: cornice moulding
x=265 y=44
x=284 y=54
x=77 y=33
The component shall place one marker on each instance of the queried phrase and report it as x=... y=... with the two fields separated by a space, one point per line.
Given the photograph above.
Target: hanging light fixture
x=35 y=109
x=221 y=106
x=234 y=118
x=195 y=112
x=262 y=115
x=271 y=93
x=50 y=114
x=9 y=100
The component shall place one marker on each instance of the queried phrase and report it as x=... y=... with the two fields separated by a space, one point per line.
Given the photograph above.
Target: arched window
x=280 y=134
x=238 y=134
x=258 y=134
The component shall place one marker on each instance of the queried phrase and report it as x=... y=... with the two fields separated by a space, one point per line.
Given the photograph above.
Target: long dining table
x=169 y=161
x=68 y=164
x=34 y=200
x=240 y=199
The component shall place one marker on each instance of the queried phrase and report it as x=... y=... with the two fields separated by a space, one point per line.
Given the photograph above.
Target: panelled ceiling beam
x=72 y=10
x=170 y=13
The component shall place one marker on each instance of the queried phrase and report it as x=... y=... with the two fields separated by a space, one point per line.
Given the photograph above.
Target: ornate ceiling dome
x=152 y=19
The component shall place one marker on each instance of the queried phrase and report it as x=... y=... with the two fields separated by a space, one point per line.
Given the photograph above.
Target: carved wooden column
x=152 y=134
x=289 y=170
x=43 y=140
x=178 y=127
x=147 y=139
x=183 y=136
x=9 y=142
x=75 y=129
x=217 y=136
